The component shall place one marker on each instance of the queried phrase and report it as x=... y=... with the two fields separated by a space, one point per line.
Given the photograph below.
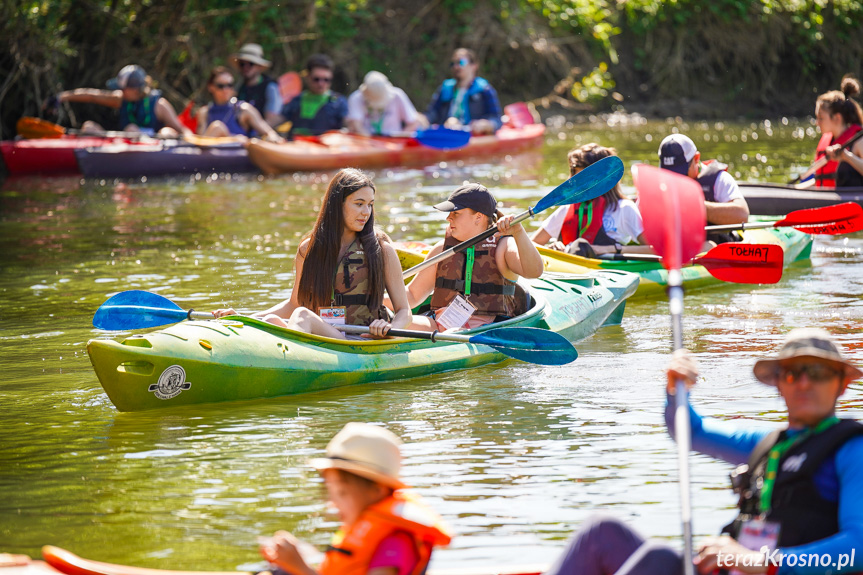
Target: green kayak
x=654 y=278
x=240 y=358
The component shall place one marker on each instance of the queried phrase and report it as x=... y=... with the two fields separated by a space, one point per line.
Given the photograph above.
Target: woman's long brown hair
x=322 y=257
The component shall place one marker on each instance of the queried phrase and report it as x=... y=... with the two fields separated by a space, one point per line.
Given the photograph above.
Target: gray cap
x=130 y=76
x=804 y=342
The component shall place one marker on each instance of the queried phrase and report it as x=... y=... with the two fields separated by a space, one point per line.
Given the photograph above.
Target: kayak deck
x=797 y=246
x=241 y=358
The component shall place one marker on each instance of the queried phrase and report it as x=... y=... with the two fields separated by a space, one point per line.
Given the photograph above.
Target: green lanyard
x=581 y=230
x=468 y=271
x=375 y=124
x=146 y=103
x=776 y=454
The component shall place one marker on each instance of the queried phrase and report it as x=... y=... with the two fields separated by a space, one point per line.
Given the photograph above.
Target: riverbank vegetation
x=658 y=57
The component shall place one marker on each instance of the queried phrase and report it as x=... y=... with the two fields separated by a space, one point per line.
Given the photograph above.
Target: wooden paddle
x=731 y=262
x=822 y=161
x=833 y=220
x=138 y=309
x=674 y=216
x=589 y=183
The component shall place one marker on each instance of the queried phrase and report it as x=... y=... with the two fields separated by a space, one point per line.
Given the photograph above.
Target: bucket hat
x=376 y=89
x=365 y=450
x=804 y=342
x=251 y=53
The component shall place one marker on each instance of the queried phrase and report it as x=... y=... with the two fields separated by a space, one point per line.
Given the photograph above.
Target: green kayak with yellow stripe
x=797 y=246
x=241 y=358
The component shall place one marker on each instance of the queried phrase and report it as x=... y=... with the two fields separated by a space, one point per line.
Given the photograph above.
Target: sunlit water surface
x=513 y=455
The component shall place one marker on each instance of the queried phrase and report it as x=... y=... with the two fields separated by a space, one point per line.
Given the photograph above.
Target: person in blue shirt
x=465 y=100
x=317 y=109
x=228 y=116
x=800 y=487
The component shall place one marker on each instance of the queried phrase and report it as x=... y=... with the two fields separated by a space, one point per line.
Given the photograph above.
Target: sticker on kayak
x=171 y=383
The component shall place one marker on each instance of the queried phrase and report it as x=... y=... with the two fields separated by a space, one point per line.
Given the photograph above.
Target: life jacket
x=351 y=287
x=490 y=292
x=804 y=515
x=825 y=176
x=256 y=95
x=330 y=116
x=707 y=179
x=229 y=114
x=354 y=546
x=141 y=113
x=477 y=103
x=593 y=230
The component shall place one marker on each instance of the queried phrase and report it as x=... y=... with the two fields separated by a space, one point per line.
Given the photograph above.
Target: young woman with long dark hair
x=350 y=266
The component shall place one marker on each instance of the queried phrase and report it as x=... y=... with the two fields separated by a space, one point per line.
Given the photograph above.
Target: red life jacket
x=354 y=546
x=825 y=177
x=573 y=228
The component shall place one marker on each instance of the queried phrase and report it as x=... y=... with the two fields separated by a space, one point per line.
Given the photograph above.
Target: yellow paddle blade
x=212 y=142
x=35 y=128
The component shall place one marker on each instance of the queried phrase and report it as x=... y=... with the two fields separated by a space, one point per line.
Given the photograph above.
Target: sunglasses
x=244 y=64
x=222 y=86
x=321 y=79
x=816 y=372
x=461 y=62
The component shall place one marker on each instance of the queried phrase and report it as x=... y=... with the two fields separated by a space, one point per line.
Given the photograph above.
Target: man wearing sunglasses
x=258 y=89
x=465 y=100
x=800 y=487
x=317 y=109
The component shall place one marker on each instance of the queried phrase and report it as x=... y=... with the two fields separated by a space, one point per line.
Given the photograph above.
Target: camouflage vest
x=490 y=292
x=351 y=287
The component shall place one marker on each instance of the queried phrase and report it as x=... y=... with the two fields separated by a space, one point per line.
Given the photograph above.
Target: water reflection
x=513 y=455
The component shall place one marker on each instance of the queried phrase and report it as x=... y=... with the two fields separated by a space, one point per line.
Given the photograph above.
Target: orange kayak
x=335 y=150
x=59 y=561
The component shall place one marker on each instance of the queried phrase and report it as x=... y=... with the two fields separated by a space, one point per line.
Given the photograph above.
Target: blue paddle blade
x=589 y=183
x=529 y=344
x=443 y=138
x=137 y=309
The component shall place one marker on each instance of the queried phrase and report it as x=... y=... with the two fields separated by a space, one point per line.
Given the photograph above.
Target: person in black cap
x=477 y=286
x=723 y=200
x=141 y=108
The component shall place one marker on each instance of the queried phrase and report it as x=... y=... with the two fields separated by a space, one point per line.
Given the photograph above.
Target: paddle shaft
x=822 y=161
x=462 y=246
x=432 y=336
x=681 y=418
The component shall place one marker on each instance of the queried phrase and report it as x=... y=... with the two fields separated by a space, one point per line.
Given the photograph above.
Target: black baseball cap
x=473 y=196
x=676 y=152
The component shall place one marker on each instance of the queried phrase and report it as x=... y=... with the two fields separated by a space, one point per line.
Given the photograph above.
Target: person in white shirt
x=600 y=226
x=379 y=108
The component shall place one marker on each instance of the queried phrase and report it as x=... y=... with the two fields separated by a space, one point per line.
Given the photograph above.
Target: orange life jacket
x=825 y=177
x=354 y=546
x=490 y=292
x=575 y=226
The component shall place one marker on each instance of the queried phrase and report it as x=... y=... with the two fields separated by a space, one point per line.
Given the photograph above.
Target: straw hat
x=365 y=450
x=805 y=342
x=376 y=89
x=251 y=53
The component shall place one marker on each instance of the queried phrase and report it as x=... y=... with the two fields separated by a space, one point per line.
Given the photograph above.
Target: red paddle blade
x=519 y=114
x=672 y=206
x=290 y=86
x=744 y=263
x=834 y=220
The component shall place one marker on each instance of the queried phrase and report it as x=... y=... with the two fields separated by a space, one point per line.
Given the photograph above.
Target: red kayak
x=62 y=561
x=47 y=155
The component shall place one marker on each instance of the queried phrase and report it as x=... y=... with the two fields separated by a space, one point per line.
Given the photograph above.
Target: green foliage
x=595 y=86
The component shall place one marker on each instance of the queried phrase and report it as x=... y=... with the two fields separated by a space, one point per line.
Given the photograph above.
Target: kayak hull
x=46 y=155
x=241 y=358
x=334 y=151
x=161 y=159
x=796 y=245
x=59 y=560
x=779 y=200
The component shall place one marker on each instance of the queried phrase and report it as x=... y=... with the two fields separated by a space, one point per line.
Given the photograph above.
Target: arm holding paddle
x=853 y=156
x=109 y=98
x=518 y=257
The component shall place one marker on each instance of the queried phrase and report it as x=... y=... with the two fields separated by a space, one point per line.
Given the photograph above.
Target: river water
x=513 y=455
